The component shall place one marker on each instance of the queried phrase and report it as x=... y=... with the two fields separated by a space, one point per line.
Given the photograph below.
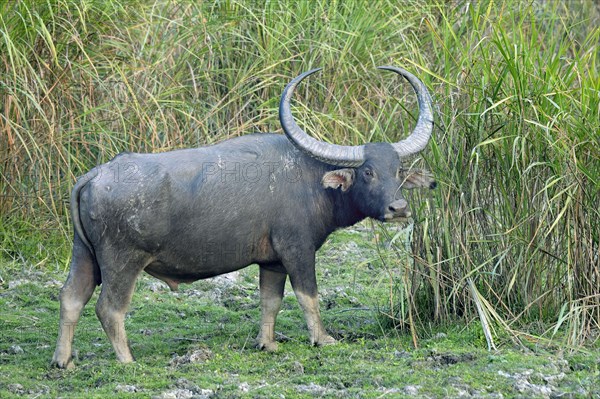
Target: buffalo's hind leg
x=272 y=283
x=83 y=278
x=119 y=274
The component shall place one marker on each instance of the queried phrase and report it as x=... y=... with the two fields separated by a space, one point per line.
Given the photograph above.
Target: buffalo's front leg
x=272 y=284
x=300 y=265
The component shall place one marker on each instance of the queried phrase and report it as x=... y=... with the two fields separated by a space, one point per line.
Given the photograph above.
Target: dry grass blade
x=483 y=314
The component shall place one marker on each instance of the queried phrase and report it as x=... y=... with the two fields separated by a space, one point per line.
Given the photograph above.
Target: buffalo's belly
x=187 y=273
x=211 y=243
x=189 y=260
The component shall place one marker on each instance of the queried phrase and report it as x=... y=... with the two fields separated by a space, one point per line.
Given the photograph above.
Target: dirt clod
x=15 y=350
x=298 y=368
x=16 y=389
x=196 y=356
x=126 y=388
x=412 y=390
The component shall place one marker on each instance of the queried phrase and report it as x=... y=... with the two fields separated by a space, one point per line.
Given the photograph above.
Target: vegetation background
x=510 y=237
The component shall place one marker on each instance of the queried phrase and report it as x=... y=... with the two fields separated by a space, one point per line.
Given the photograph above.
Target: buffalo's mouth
x=395 y=218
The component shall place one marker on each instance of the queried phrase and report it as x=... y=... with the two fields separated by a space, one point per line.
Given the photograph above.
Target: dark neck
x=338 y=212
x=334 y=209
x=344 y=211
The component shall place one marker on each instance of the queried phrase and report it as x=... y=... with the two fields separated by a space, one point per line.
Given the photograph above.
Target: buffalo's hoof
x=326 y=340
x=270 y=346
x=62 y=364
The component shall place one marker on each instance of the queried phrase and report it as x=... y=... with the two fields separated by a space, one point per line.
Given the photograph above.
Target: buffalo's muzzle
x=397 y=210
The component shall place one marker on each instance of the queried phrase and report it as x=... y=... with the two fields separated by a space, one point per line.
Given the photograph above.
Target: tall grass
x=519 y=163
x=516 y=146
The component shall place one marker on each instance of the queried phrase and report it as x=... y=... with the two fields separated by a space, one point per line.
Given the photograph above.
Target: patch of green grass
x=222 y=320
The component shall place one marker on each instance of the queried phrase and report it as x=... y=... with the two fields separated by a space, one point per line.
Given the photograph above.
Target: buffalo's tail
x=75 y=215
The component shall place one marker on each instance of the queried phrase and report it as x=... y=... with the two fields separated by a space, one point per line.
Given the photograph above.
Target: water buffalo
x=196 y=213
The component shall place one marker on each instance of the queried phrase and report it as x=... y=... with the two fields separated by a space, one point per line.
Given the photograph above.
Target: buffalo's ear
x=340 y=178
x=416 y=178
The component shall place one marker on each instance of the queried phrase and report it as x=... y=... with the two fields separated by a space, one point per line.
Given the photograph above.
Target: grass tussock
x=516 y=145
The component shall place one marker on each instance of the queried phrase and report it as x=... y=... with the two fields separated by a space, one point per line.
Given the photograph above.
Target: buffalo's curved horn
x=333 y=154
x=419 y=137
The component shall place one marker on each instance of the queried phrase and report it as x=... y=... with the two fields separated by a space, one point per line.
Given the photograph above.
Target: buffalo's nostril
x=398 y=205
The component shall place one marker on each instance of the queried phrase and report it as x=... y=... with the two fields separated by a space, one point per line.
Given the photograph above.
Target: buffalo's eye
x=369 y=173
